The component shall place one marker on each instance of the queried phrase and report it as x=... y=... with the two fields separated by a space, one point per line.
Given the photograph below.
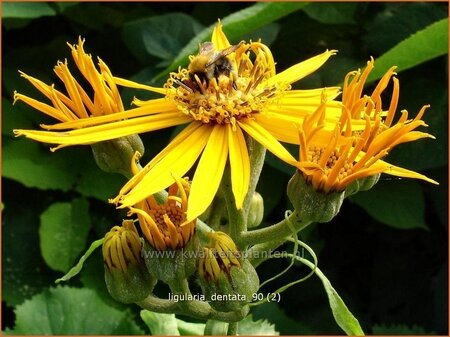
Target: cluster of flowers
x=236 y=95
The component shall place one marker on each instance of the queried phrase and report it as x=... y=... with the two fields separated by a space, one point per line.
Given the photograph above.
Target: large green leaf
x=400 y=20
x=162 y=36
x=160 y=324
x=397 y=203
x=26 y=10
x=24 y=270
x=236 y=25
x=27 y=162
x=332 y=12
x=420 y=47
x=71 y=311
x=261 y=327
x=63 y=232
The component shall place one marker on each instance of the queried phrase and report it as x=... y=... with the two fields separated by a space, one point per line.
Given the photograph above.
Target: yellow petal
x=263 y=137
x=175 y=163
x=179 y=139
x=130 y=84
x=401 y=172
x=209 y=172
x=160 y=105
x=330 y=93
x=106 y=132
x=218 y=38
x=239 y=163
x=301 y=69
x=283 y=130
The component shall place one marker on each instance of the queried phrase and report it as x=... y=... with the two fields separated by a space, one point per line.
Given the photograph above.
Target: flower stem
x=276 y=232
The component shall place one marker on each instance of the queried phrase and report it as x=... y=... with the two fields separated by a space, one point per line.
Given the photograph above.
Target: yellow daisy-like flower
x=227 y=92
x=164 y=225
x=345 y=155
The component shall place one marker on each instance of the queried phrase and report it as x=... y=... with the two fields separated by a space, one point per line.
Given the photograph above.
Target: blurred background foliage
x=386 y=252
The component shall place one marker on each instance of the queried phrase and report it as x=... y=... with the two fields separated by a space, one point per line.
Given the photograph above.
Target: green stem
x=276 y=232
x=236 y=218
x=257 y=154
x=196 y=309
x=232 y=329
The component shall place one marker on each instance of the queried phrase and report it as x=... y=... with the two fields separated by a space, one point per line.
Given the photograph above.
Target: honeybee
x=209 y=64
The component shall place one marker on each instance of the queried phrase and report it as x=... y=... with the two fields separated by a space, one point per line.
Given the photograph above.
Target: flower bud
x=115 y=155
x=256 y=211
x=171 y=265
x=310 y=204
x=126 y=277
x=227 y=280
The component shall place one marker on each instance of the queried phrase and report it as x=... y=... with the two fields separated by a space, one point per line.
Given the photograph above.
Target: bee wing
x=222 y=53
x=205 y=48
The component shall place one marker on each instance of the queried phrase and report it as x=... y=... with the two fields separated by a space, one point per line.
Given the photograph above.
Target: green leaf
x=24 y=270
x=397 y=203
x=420 y=47
x=190 y=329
x=237 y=25
x=261 y=327
x=160 y=324
x=27 y=162
x=71 y=311
x=215 y=328
x=161 y=36
x=343 y=317
x=26 y=10
x=79 y=266
x=398 y=21
x=63 y=232
x=332 y=13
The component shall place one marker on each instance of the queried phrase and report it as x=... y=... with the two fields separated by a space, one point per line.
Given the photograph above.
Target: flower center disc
x=227 y=96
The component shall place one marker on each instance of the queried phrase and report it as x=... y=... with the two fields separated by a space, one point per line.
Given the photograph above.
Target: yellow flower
x=218 y=256
x=73 y=108
x=345 y=155
x=164 y=225
x=122 y=247
x=237 y=93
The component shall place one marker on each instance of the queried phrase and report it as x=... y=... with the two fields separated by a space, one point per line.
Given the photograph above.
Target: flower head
x=218 y=257
x=122 y=247
x=344 y=154
x=227 y=92
x=164 y=225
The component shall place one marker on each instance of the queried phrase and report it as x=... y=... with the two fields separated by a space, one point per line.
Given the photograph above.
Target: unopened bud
x=227 y=279
x=126 y=276
x=256 y=211
x=115 y=155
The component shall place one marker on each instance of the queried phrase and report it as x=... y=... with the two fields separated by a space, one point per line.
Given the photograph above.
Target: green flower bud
x=126 y=277
x=115 y=155
x=172 y=265
x=256 y=211
x=228 y=281
x=310 y=204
